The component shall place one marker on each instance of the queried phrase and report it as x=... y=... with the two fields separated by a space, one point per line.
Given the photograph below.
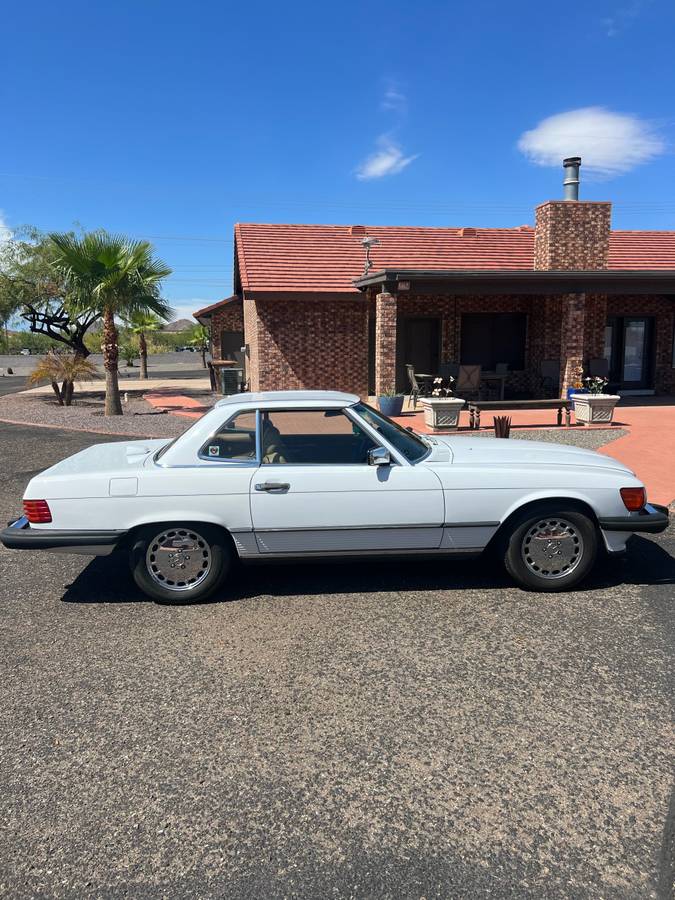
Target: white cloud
x=183 y=309
x=609 y=143
x=623 y=17
x=5 y=231
x=388 y=159
x=394 y=100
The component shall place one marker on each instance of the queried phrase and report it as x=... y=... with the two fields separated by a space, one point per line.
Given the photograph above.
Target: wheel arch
x=131 y=536
x=530 y=505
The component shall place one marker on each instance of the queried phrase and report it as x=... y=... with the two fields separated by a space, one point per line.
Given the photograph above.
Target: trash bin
x=230 y=379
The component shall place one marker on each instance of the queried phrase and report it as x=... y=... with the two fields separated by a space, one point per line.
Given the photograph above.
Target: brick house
x=569 y=290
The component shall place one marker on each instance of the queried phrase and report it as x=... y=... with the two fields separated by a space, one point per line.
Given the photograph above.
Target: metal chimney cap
x=572 y=161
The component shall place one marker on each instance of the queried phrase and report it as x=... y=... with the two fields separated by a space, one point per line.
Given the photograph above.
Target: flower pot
x=442 y=413
x=391 y=406
x=592 y=409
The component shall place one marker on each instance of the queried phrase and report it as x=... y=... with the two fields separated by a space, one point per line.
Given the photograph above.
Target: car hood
x=509 y=452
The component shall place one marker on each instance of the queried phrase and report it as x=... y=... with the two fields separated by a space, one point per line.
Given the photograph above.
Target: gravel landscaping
x=139 y=419
x=142 y=420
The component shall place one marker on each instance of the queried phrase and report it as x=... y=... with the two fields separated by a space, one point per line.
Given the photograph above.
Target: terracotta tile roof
x=209 y=309
x=642 y=250
x=327 y=258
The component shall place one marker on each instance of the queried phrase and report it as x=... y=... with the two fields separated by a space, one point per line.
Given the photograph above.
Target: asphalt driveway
x=394 y=730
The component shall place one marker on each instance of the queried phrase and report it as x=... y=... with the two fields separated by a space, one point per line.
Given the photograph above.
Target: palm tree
x=118 y=277
x=66 y=368
x=200 y=336
x=142 y=323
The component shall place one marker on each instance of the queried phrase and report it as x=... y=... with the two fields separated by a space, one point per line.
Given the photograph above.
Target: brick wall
x=386 y=321
x=228 y=318
x=308 y=344
x=572 y=235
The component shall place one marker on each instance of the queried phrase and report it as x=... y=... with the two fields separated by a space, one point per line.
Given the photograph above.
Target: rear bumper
x=20 y=535
x=653 y=519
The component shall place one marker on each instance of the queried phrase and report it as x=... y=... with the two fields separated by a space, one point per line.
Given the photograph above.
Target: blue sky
x=172 y=121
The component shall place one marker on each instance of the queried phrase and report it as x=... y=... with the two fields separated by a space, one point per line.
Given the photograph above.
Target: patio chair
x=468 y=382
x=549 y=376
x=414 y=385
x=598 y=368
x=502 y=369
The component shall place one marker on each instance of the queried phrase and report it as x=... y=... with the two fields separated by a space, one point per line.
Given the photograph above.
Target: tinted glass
x=312 y=437
x=408 y=445
x=235 y=440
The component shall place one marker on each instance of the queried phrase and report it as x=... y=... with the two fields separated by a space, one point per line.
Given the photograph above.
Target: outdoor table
x=494 y=376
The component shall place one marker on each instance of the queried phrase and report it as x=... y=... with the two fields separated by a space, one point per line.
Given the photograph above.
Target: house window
x=491 y=338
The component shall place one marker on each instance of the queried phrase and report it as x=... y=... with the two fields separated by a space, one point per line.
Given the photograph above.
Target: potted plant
x=594 y=406
x=390 y=403
x=441 y=410
x=577 y=386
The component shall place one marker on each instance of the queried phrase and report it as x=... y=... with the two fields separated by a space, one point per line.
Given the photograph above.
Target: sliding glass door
x=629 y=348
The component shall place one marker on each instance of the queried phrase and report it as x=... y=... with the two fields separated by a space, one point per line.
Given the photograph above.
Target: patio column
x=385 y=343
x=572 y=350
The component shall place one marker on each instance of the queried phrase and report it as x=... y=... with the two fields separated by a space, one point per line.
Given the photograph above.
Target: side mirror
x=379 y=456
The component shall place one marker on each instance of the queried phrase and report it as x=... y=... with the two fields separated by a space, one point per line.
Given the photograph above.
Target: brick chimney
x=571 y=233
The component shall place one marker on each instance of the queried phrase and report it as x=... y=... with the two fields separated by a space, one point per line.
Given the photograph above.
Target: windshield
x=408 y=444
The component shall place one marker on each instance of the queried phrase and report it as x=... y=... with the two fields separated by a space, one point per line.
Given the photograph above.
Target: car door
x=316 y=493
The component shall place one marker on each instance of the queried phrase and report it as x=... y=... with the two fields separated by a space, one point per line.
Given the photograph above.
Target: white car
x=312 y=474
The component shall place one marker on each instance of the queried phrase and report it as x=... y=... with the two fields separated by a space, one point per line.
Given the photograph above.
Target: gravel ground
x=393 y=730
x=139 y=419
x=142 y=420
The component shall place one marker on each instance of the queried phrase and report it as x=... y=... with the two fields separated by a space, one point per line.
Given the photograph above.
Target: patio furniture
x=502 y=369
x=477 y=406
x=448 y=370
x=498 y=379
x=598 y=368
x=549 y=372
x=415 y=389
x=468 y=381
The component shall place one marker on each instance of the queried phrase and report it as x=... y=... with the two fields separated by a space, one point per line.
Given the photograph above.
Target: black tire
x=202 y=557
x=550 y=548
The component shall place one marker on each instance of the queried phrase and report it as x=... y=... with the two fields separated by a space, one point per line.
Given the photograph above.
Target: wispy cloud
x=394 y=100
x=388 y=159
x=5 y=230
x=609 y=143
x=623 y=17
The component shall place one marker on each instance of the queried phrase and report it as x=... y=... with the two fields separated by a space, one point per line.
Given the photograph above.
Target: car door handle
x=273 y=487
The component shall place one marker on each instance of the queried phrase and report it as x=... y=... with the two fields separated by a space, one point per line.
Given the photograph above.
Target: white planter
x=442 y=413
x=594 y=409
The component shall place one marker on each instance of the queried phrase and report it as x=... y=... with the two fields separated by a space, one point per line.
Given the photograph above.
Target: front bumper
x=20 y=535
x=652 y=519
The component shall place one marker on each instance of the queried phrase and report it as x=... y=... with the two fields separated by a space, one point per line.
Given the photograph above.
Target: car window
x=313 y=437
x=408 y=444
x=235 y=440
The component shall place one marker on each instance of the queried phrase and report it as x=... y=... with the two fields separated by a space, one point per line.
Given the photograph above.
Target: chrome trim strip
x=471 y=524
x=365 y=554
x=344 y=528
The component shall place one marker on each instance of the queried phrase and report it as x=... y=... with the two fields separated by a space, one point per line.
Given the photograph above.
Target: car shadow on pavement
x=108 y=580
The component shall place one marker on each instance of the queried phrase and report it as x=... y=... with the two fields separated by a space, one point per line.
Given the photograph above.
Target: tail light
x=37 y=511
x=633 y=498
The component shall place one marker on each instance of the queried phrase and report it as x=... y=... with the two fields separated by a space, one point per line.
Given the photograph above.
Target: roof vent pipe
x=571 y=182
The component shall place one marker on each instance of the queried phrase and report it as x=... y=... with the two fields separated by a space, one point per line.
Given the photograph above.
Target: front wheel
x=552 y=549
x=180 y=563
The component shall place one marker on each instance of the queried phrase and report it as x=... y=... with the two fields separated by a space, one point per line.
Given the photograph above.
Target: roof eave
x=524 y=281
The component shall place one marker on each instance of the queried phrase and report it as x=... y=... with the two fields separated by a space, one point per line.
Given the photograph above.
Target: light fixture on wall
x=369 y=242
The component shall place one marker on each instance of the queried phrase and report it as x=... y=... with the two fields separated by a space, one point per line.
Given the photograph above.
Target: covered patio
x=535 y=329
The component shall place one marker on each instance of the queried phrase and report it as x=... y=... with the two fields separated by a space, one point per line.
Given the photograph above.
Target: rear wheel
x=551 y=549
x=180 y=563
